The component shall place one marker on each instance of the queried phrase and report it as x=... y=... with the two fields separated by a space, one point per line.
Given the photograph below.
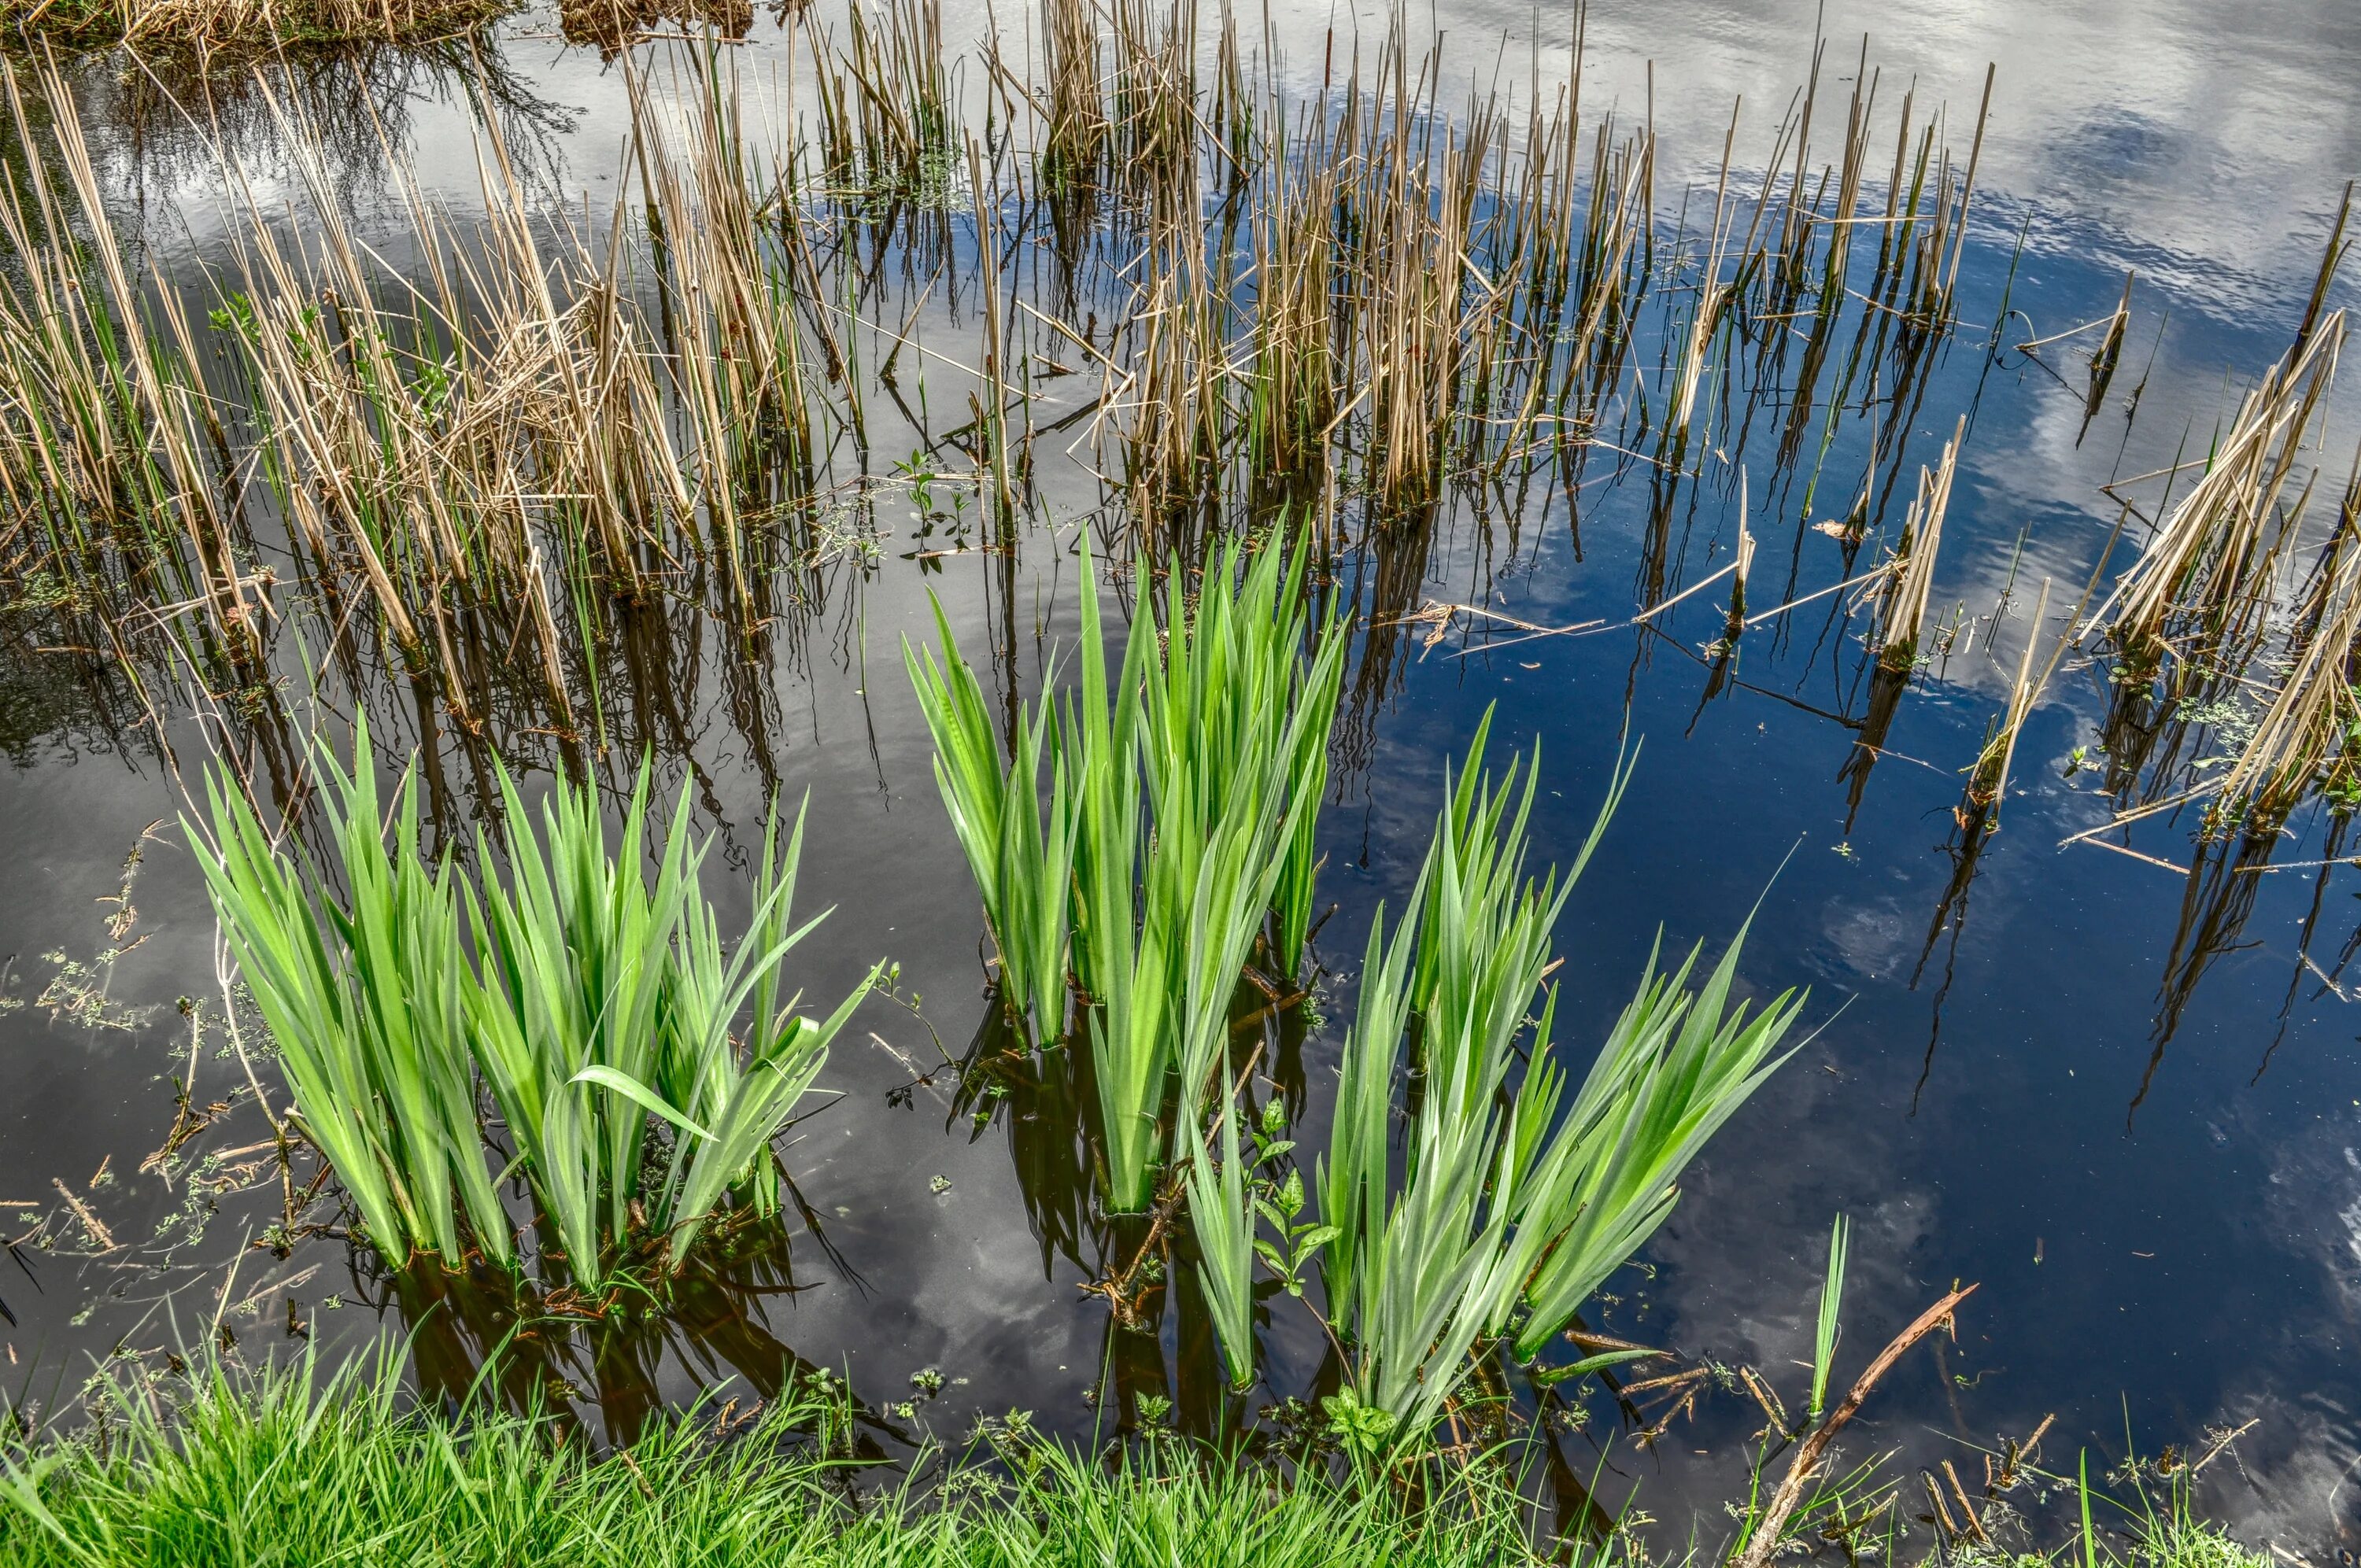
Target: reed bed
x=556 y=417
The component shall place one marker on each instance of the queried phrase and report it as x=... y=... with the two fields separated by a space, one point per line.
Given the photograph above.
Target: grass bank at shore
x=284 y=1470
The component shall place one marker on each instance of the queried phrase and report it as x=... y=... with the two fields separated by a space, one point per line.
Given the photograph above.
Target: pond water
x=2114 y=1089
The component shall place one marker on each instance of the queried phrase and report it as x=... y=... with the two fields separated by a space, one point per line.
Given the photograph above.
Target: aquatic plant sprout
x=596 y=999
x=1823 y=1333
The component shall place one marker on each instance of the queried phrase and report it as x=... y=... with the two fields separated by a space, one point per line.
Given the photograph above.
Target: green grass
x=292 y=1469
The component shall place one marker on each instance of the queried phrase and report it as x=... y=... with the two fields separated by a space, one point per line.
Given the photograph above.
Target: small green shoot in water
x=1824 y=1340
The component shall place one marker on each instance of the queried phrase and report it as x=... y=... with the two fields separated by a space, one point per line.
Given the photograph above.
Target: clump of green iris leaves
x=1137 y=845
x=441 y=1035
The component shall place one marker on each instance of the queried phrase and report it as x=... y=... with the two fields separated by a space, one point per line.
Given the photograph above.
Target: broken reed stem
x=1904 y=612
x=2312 y=717
x=1763 y=1541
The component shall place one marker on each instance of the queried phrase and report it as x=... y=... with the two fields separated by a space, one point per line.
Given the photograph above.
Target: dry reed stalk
x=1154 y=120
x=2109 y=355
x=1851 y=170
x=1715 y=297
x=992 y=415
x=2332 y=257
x=1075 y=145
x=614 y=24
x=734 y=346
x=1743 y=564
x=1989 y=778
x=1605 y=293
x=1415 y=202
x=2208 y=567
x=1172 y=396
x=1903 y=611
x=1296 y=368
x=886 y=103
x=1763 y=1541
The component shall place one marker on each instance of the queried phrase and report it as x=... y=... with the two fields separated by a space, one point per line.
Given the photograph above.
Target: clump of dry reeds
x=1372 y=294
x=612 y=23
x=1296 y=354
x=887 y=104
x=2206 y=573
x=2310 y=733
x=116 y=458
x=1075 y=145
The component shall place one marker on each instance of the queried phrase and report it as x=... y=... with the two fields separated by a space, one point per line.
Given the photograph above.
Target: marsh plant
x=586 y=1026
